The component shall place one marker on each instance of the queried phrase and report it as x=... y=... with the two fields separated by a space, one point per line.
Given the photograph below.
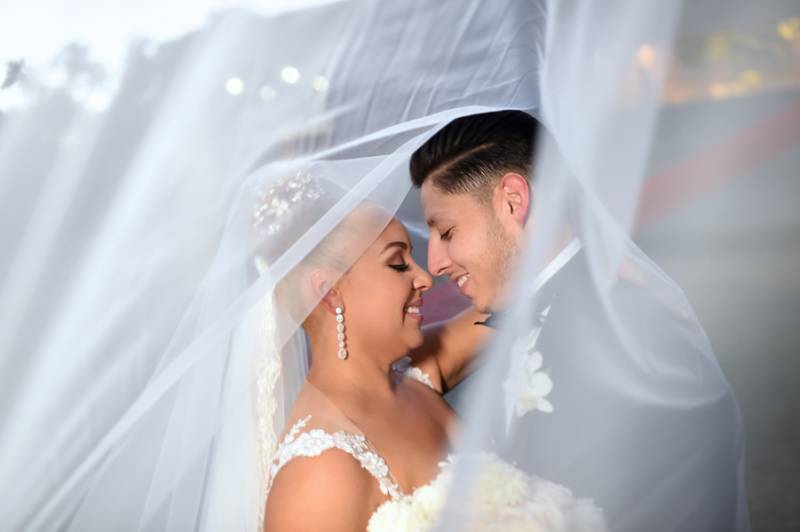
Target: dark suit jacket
x=644 y=422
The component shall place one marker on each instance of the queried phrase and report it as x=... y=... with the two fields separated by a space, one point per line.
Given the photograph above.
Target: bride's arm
x=449 y=348
x=330 y=492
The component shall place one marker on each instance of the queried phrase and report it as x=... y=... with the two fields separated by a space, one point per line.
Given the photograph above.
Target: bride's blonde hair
x=334 y=254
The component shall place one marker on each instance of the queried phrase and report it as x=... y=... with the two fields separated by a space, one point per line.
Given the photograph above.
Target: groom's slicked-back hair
x=471 y=153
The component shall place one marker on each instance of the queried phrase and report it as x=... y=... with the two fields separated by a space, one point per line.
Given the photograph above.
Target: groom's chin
x=481 y=305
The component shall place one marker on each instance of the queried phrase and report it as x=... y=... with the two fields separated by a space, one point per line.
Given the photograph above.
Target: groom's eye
x=400 y=267
x=446 y=235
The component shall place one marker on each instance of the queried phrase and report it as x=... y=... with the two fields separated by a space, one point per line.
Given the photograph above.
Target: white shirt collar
x=555 y=265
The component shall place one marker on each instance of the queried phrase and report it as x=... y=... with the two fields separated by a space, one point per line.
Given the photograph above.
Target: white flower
x=391 y=515
x=429 y=500
x=532 y=396
x=503 y=498
x=499 y=484
x=527 y=386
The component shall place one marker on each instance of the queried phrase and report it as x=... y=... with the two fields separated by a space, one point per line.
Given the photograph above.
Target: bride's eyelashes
x=400 y=267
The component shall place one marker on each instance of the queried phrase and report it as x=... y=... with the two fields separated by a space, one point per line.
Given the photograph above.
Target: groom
x=654 y=438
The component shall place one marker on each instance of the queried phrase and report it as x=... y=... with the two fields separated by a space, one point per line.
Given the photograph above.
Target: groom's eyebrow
x=435 y=219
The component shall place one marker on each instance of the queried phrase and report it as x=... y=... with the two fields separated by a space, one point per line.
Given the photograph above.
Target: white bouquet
x=503 y=498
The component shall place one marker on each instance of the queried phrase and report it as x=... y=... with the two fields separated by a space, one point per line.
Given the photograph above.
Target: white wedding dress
x=506 y=498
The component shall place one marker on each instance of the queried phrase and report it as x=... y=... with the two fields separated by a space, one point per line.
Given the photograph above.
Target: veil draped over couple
x=361 y=265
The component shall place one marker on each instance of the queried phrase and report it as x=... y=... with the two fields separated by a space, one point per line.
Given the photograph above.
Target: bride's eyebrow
x=398 y=243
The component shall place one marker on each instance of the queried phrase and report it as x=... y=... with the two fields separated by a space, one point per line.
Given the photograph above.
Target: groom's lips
x=461 y=282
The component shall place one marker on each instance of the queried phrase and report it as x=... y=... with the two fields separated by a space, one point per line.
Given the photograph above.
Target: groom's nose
x=438 y=260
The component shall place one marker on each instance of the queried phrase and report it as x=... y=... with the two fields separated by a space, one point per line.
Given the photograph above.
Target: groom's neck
x=562 y=240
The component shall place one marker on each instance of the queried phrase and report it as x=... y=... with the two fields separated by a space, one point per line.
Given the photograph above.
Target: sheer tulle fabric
x=150 y=321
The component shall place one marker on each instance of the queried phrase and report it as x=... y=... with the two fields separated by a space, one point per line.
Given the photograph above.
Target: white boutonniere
x=527 y=385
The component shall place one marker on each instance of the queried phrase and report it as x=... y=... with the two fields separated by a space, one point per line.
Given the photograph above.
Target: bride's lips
x=414 y=310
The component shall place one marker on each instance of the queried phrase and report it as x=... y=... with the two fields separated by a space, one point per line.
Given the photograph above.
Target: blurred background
x=734 y=247
x=721 y=217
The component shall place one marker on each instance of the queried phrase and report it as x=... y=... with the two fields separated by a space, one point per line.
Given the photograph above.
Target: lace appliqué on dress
x=404 y=367
x=419 y=375
x=316 y=441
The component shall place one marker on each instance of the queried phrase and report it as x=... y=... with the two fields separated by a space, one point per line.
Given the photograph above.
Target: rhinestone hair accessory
x=276 y=200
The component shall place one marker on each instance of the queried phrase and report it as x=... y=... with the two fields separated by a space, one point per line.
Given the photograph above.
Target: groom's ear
x=515 y=194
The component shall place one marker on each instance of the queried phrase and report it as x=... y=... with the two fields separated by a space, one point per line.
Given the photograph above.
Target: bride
x=367 y=430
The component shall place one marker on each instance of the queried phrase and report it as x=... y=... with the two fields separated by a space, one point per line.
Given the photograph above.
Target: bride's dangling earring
x=342 y=354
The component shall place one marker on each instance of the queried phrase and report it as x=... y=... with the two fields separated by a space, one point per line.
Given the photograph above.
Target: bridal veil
x=157 y=209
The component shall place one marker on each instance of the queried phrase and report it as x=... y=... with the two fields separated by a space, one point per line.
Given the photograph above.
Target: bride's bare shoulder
x=326 y=492
x=317 y=485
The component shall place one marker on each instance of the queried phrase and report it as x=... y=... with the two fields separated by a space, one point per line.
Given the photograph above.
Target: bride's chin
x=417 y=341
x=411 y=339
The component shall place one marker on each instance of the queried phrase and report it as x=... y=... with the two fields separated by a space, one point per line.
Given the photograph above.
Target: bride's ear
x=322 y=290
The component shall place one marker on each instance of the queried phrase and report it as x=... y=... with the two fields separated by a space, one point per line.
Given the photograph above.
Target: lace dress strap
x=316 y=441
x=404 y=367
